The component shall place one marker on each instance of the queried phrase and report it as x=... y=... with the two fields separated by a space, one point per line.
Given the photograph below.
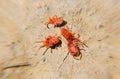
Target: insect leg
x=45 y=51
x=38 y=41
x=41 y=47
x=84 y=44
x=47 y=26
x=79 y=54
x=63 y=60
x=78 y=58
x=78 y=35
x=55 y=25
x=82 y=49
x=51 y=50
x=65 y=56
x=47 y=23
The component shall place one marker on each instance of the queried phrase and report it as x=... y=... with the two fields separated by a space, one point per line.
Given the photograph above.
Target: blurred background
x=22 y=23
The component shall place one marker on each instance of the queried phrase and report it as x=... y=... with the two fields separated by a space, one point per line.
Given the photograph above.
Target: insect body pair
x=74 y=44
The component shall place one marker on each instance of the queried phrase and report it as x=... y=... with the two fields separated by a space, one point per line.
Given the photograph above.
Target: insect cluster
x=74 y=44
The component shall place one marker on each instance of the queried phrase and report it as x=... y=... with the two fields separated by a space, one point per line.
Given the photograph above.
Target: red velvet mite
x=55 y=20
x=50 y=42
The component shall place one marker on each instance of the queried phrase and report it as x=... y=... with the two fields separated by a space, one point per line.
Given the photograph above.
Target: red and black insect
x=50 y=42
x=74 y=44
x=56 y=21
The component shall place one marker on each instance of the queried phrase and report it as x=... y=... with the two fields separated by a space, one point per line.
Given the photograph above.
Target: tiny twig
x=17 y=66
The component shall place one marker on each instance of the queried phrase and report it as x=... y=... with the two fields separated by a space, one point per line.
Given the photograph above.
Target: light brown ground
x=22 y=23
